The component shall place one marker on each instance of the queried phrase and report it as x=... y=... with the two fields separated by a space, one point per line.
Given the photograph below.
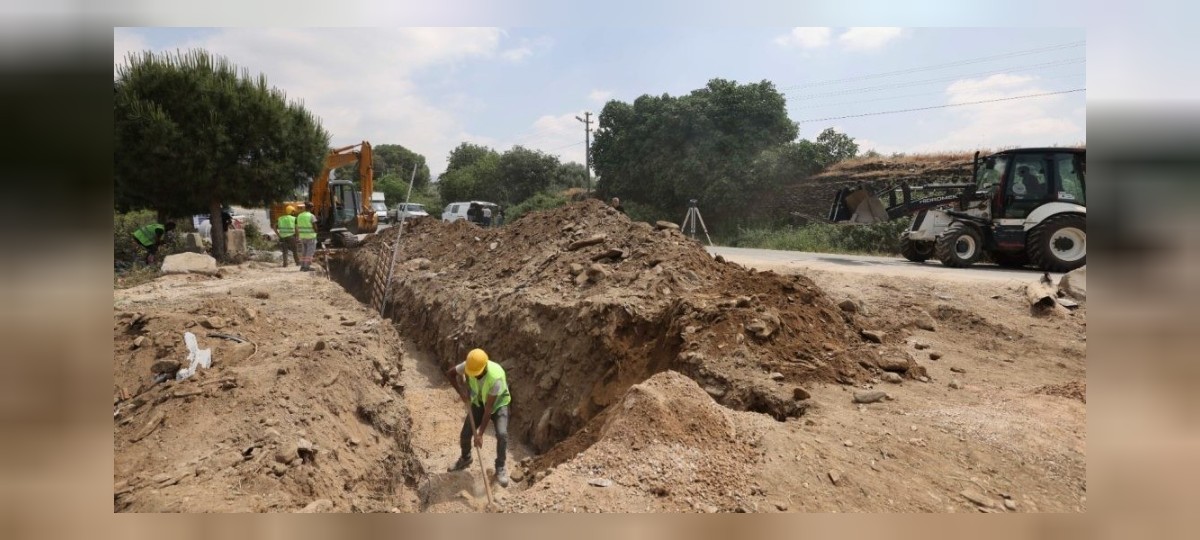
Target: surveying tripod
x=689 y=222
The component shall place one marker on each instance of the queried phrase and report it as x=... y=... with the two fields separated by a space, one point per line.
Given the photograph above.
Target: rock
x=596 y=273
x=580 y=279
x=600 y=482
x=955 y=384
x=235 y=241
x=1074 y=284
x=934 y=355
x=800 y=394
x=240 y=353
x=873 y=335
x=976 y=498
x=893 y=378
x=166 y=365
x=776 y=376
x=262 y=295
x=763 y=328
x=1010 y=504
x=869 y=397
x=286 y=453
x=897 y=365
x=213 y=323
x=710 y=509
x=279 y=469
x=925 y=321
x=281 y=371
x=139 y=341
x=305 y=448
x=661 y=225
x=465 y=495
x=517 y=475
x=576 y=268
x=152 y=424
x=719 y=259
x=743 y=301
x=319 y=506
x=320 y=346
x=597 y=239
x=349 y=323
x=193 y=263
x=848 y=306
x=610 y=254
x=835 y=476
x=957 y=369
x=848 y=444
x=492 y=246
x=250 y=313
x=781 y=506
x=920 y=345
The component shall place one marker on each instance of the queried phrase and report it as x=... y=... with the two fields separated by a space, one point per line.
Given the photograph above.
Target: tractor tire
x=1059 y=244
x=960 y=246
x=916 y=250
x=1009 y=259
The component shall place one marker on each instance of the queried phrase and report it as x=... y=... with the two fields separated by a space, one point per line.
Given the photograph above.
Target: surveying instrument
x=689 y=222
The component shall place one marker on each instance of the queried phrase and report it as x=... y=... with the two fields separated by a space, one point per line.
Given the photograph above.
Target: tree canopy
x=665 y=150
x=477 y=172
x=193 y=132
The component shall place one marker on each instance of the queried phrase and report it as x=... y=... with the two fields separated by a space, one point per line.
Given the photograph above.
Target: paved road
x=770 y=259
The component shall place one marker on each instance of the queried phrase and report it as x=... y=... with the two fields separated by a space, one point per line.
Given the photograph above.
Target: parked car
x=458 y=210
x=407 y=211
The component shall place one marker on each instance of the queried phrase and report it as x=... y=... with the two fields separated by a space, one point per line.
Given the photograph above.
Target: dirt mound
x=809 y=199
x=1071 y=390
x=664 y=446
x=302 y=409
x=579 y=303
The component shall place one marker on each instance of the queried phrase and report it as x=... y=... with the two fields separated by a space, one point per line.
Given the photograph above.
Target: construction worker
x=489 y=392
x=306 y=231
x=285 y=227
x=151 y=236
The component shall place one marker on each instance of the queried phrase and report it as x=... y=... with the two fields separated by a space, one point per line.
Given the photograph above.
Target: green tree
x=836 y=146
x=663 y=151
x=479 y=180
x=193 y=132
x=398 y=160
x=524 y=172
x=466 y=154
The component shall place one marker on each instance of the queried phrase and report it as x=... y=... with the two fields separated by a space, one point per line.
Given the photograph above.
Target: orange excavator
x=341 y=210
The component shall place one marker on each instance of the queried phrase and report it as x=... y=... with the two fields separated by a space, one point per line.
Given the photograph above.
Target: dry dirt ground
x=995 y=423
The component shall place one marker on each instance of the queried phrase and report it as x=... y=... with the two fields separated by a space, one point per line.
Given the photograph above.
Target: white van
x=458 y=210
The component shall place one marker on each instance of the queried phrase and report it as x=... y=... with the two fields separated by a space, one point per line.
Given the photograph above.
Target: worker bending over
x=488 y=392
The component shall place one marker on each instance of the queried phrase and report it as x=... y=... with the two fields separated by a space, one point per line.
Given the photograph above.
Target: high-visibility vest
x=147 y=235
x=492 y=374
x=287 y=226
x=304 y=224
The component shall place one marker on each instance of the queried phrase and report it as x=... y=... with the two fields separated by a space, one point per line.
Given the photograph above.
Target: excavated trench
x=573 y=345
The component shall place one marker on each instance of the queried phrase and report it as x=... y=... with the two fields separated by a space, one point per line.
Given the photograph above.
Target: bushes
x=540 y=201
x=877 y=239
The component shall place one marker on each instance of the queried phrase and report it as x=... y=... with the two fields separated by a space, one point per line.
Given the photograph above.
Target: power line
x=940 y=66
x=982 y=101
x=939 y=92
x=941 y=79
x=564 y=146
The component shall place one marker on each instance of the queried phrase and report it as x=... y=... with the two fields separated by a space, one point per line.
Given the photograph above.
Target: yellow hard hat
x=291 y=209
x=476 y=362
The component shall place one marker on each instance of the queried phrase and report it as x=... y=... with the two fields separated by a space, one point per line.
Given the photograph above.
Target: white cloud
x=517 y=54
x=126 y=41
x=358 y=82
x=868 y=38
x=600 y=96
x=810 y=37
x=558 y=135
x=1039 y=121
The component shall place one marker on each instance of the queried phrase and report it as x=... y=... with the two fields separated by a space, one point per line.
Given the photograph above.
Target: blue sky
x=430 y=89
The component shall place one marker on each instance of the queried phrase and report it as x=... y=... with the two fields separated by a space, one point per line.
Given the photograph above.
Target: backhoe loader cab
x=1028 y=206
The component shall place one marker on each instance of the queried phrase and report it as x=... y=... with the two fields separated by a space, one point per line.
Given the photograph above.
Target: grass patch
x=877 y=239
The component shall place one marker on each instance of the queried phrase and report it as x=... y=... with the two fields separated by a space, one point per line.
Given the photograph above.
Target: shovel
x=479 y=456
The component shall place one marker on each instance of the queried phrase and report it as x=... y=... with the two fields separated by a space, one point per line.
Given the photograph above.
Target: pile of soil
x=303 y=412
x=1072 y=390
x=665 y=446
x=580 y=303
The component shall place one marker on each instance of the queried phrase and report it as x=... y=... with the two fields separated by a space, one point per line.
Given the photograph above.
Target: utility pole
x=587 y=149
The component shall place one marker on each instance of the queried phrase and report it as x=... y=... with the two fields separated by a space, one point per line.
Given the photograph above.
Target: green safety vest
x=287 y=226
x=304 y=223
x=492 y=374
x=147 y=235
